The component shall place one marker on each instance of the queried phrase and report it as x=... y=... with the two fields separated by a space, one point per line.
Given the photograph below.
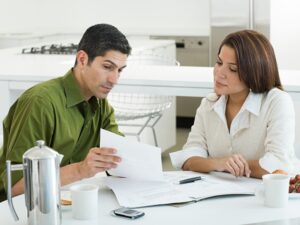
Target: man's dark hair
x=100 y=38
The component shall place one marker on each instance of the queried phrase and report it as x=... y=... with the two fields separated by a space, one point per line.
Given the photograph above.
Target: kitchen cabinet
x=4 y=93
x=4 y=103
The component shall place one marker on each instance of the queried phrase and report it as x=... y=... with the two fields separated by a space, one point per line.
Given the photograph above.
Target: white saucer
x=66 y=195
x=260 y=192
x=294 y=195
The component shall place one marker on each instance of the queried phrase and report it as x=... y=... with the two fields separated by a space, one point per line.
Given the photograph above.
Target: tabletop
x=218 y=210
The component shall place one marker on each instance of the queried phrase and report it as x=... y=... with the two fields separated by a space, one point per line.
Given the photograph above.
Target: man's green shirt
x=54 y=111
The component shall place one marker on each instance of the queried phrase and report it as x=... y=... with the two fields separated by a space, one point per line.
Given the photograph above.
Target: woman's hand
x=236 y=165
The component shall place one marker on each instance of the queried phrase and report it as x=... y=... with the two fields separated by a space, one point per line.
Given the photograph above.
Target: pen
x=190 y=180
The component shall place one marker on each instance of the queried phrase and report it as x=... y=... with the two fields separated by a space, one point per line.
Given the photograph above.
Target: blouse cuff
x=178 y=158
x=270 y=163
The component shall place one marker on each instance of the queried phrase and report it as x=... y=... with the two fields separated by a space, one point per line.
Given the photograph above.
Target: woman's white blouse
x=263 y=129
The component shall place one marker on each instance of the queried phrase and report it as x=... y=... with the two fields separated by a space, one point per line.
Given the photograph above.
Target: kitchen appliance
x=237 y=15
x=41 y=185
x=202 y=50
x=57 y=49
x=190 y=51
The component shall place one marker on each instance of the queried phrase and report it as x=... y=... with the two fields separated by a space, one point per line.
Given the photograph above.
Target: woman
x=247 y=126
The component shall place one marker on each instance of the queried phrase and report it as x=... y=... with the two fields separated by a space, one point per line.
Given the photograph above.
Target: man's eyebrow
x=109 y=61
x=122 y=67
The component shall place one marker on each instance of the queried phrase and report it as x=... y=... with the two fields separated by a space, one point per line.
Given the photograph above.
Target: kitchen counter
x=19 y=72
x=170 y=80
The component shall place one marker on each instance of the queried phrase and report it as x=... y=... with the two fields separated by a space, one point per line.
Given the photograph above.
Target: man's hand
x=236 y=165
x=98 y=160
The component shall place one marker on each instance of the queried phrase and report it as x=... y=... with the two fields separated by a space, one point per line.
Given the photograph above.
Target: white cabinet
x=5 y=101
x=9 y=92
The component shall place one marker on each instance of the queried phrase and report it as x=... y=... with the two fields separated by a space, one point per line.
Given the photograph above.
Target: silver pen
x=190 y=180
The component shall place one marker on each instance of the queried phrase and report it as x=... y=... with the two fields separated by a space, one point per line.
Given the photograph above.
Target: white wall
x=285 y=38
x=131 y=16
x=285 y=32
x=219 y=13
x=146 y=17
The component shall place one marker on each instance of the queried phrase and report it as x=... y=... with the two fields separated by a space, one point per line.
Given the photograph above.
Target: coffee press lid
x=40 y=151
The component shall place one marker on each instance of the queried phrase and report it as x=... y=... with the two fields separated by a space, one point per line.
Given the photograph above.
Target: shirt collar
x=73 y=92
x=72 y=89
x=94 y=103
x=220 y=106
x=251 y=104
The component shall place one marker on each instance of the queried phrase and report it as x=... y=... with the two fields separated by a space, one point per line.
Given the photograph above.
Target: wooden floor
x=181 y=137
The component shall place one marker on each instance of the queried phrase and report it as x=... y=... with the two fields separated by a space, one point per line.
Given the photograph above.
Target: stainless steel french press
x=41 y=185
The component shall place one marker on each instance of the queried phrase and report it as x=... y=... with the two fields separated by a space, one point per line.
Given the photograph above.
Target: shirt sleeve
x=279 y=143
x=178 y=158
x=196 y=143
x=28 y=120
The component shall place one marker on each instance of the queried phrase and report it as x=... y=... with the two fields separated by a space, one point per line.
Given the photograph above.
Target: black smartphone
x=128 y=213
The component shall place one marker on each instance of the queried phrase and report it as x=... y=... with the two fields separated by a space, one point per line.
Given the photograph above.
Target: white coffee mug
x=84 y=201
x=276 y=190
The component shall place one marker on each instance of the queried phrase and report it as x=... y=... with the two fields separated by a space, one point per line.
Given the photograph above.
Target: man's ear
x=82 y=58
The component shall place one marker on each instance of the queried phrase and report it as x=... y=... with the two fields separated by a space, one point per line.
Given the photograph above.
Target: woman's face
x=226 y=77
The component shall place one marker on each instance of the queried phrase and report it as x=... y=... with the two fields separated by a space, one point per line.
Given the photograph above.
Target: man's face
x=100 y=76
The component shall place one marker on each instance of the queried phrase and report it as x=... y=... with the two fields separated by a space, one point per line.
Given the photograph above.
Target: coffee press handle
x=10 y=168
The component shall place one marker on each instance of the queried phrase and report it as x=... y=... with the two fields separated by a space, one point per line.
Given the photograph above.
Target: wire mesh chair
x=142 y=110
x=129 y=107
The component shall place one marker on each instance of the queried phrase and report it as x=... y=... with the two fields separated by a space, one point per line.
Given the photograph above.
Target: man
x=68 y=112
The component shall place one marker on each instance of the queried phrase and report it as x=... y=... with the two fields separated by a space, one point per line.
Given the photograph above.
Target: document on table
x=134 y=193
x=139 y=161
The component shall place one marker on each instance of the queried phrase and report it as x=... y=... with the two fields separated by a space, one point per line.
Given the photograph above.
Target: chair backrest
x=132 y=106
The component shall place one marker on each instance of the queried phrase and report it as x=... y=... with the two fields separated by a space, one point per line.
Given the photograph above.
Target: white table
x=216 y=211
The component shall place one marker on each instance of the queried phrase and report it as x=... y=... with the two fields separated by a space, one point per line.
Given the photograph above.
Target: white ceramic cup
x=276 y=190
x=84 y=201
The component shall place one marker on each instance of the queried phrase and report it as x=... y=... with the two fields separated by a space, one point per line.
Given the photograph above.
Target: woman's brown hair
x=256 y=60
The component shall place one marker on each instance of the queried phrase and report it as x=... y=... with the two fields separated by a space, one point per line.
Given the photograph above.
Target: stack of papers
x=141 y=182
x=136 y=193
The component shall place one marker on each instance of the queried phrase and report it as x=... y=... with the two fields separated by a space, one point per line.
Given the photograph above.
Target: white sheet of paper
x=135 y=193
x=139 y=161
